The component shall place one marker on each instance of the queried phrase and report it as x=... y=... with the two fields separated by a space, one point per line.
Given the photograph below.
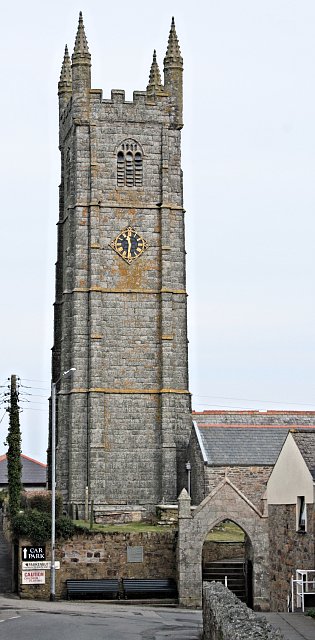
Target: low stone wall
x=215 y=551
x=226 y=617
x=104 y=555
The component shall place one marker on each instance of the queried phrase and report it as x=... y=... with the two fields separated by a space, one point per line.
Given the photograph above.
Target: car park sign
x=33 y=554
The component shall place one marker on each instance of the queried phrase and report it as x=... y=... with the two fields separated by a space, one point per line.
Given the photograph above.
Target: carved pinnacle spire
x=173 y=50
x=81 y=48
x=65 y=75
x=173 y=75
x=155 y=76
x=65 y=82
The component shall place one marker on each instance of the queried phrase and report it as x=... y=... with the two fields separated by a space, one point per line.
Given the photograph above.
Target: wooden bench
x=101 y=589
x=149 y=588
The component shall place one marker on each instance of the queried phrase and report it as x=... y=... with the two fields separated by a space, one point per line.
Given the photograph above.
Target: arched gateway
x=224 y=502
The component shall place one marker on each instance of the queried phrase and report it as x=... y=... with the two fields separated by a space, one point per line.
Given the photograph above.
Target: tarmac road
x=29 y=619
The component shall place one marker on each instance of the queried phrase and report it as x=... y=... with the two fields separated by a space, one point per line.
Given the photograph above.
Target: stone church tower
x=123 y=417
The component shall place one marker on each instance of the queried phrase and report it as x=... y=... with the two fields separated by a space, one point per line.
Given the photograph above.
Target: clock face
x=129 y=245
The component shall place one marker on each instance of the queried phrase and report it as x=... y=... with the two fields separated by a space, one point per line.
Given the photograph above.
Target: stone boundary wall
x=214 y=551
x=104 y=555
x=291 y=550
x=226 y=617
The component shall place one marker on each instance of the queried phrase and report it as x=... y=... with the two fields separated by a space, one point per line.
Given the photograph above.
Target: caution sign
x=33 y=577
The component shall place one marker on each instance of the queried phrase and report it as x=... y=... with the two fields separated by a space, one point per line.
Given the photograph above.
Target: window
x=301 y=514
x=129 y=165
x=120 y=169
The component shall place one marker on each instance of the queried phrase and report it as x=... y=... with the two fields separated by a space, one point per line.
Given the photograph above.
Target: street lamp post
x=53 y=484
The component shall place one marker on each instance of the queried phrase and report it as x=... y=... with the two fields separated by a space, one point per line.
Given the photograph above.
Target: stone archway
x=225 y=502
x=227 y=556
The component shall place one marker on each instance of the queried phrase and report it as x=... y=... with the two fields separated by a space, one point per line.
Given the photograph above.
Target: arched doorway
x=225 y=502
x=227 y=558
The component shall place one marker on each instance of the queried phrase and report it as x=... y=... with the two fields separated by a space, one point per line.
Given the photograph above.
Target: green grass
x=133 y=527
x=226 y=532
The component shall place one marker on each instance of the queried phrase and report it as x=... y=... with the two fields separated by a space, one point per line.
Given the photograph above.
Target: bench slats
x=101 y=587
x=145 y=588
x=159 y=587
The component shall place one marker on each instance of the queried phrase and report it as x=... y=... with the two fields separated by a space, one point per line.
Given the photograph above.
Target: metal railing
x=302 y=585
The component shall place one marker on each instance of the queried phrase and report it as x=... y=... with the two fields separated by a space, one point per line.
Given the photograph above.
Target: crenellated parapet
x=75 y=82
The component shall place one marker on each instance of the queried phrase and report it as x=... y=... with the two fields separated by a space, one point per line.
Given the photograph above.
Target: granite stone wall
x=252 y=481
x=214 y=551
x=104 y=555
x=225 y=617
x=291 y=550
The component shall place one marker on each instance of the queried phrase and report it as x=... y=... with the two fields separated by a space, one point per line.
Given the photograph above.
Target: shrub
x=32 y=524
x=65 y=528
x=41 y=501
x=36 y=526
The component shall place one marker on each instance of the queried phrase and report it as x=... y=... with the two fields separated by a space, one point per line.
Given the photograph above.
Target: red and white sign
x=33 y=577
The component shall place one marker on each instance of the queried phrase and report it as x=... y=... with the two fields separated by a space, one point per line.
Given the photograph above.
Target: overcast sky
x=249 y=188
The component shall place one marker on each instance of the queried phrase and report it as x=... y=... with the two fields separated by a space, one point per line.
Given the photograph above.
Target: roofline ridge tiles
x=254 y=411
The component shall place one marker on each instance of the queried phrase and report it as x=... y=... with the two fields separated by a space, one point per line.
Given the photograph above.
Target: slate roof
x=306 y=443
x=243 y=446
x=251 y=417
x=33 y=472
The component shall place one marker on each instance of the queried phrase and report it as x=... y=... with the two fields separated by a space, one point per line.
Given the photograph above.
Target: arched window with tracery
x=129 y=164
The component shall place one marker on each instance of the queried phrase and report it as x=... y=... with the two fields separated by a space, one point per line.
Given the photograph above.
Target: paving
x=294 y=626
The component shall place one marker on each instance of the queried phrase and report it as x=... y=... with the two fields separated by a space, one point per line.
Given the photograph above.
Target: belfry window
x=120 y=169
x=129 y=165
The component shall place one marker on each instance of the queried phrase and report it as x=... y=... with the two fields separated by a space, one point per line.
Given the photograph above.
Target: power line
x=34 y=409
x=26 y=386
x=33 y=395
x=33 y=380
x=282 y=402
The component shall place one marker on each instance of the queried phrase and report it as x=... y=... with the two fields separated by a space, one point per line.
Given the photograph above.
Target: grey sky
x=248 y=160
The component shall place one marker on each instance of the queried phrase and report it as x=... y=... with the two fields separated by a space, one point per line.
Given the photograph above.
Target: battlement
x=74 y=87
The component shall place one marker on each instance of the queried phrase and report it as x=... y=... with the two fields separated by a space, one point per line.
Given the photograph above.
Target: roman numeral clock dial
x=129 y=245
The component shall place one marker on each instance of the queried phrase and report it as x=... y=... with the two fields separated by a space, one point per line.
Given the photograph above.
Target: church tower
x=123 y=417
